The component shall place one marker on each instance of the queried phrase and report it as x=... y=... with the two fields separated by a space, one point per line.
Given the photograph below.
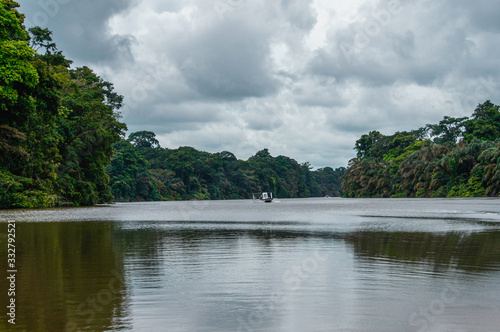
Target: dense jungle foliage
x=57 y=124
x=142 y=170
x=458 y=157
x=60 y=128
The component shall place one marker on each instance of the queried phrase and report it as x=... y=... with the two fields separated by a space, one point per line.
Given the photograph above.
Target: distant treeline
x=141 y=170
x=458 y=157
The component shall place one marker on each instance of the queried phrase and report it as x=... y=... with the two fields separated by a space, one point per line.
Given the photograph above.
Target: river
x=322 y=264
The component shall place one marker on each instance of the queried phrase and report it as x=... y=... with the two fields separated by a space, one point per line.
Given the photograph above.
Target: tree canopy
x=142 y=170
x=57 y=124
x=454 y=158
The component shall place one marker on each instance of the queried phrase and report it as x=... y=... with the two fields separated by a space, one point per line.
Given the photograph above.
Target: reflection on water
x=299 y=265
x=465 y=251
x=70 y=275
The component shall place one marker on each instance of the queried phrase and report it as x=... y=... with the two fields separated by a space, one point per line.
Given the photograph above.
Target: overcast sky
x=302 y=78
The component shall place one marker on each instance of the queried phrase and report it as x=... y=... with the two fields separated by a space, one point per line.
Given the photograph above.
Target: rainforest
x=458 y=157
x=62 y=143
x=142 y=170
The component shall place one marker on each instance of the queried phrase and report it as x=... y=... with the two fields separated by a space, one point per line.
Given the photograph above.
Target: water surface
x=292 y=265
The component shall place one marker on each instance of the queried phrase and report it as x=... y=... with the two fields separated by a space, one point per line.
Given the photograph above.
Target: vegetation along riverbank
x=62 y=143
x=458 y=157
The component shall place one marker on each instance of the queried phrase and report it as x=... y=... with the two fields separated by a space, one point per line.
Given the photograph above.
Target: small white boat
x=264 y=196
x=267 y=197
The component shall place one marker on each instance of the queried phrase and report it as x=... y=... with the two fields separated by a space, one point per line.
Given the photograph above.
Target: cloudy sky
x=304 y=78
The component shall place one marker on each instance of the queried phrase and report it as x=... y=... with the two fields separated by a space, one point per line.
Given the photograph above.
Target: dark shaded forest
x=142 y=170
x=57 y=124
x=458 y=157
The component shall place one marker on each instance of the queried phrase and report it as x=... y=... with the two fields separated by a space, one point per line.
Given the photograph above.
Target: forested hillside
x=142 y=170
x=458 y=157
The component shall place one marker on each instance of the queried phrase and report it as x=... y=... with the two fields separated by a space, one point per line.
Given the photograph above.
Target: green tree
x=366 y=144
x=42 y=39
x=57 y=125
x=449 y=130
x=131 y=178
x=28 y=107
x=89 y=130
x=485 y=123
x=144 y=139
x=17 y=74
x=407 y=164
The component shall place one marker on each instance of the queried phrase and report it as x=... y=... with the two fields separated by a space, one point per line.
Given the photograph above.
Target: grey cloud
x=228 y=61
x=167 y=118
x=248 y=78
x=172 y=6
x=383 y=64
x=319 y=92
x=299 y=13
x=481 y=15
x=402 y=50
x=262 y=122
x=82 y=27
x=403 y=44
